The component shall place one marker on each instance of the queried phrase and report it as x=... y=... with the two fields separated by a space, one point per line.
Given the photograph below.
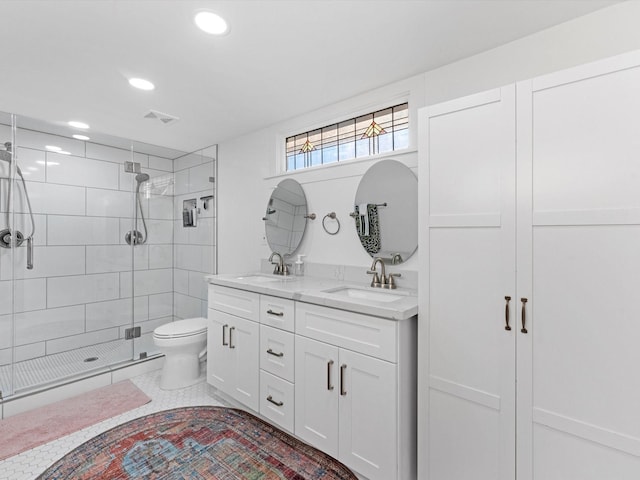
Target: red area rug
x=41 y=425
x=215 y=443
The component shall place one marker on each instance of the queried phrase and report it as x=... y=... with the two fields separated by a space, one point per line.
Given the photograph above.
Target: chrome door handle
x=343 y=392
x=230 y=331
x=271 y=352
x=524 y=315
x=329 y=365
x=506 y=314
x=224 y=333
x=277 y=314
x=277 y=404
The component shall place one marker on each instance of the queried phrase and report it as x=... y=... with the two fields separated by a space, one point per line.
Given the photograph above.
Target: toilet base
x=180 y=371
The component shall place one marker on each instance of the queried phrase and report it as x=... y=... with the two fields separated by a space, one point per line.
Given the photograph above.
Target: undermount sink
x=265 y=278
x=366 y=294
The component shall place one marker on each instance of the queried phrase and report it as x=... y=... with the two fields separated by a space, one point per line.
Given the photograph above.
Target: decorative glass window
x=378 y=132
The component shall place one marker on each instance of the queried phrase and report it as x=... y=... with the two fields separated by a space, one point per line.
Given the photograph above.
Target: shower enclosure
x=93 y=251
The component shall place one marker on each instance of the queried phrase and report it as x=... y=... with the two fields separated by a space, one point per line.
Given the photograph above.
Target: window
x=383 y=131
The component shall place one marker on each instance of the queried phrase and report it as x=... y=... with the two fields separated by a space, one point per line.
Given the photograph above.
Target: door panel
x=317 y=392
x=245 y=358
x=219 y=368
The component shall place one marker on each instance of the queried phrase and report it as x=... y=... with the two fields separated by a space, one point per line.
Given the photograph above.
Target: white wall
x=247 y=166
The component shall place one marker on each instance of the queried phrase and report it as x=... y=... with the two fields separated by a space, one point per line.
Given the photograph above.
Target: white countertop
x=399 y=304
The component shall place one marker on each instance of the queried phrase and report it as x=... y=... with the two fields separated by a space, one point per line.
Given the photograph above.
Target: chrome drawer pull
x=329 y=365
x=277 y=314
x=271 y=352
x=277 y=404
x=224 y=334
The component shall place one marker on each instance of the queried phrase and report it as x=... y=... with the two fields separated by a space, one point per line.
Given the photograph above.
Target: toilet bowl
x=183 y=343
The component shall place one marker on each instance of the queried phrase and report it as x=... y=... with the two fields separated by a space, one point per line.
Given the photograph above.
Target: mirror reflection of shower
x=9 y=239
x=136 y=237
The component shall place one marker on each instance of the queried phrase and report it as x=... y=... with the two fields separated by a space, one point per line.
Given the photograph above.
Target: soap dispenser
x=299 y=266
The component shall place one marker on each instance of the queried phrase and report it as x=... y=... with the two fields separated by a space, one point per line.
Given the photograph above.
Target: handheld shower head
x=142 y=177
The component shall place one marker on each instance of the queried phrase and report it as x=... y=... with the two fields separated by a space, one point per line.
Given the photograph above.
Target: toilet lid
x=182 y=328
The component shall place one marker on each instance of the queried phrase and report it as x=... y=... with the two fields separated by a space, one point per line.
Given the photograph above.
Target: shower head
x=141 y=178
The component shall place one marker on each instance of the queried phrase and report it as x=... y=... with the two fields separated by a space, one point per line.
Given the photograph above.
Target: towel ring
x=331 y=215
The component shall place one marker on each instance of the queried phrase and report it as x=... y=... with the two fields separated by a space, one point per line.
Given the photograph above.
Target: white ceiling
x=66 y=60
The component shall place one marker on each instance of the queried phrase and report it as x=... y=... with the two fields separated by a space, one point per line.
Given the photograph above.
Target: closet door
x=579 y=268
x=467 y=204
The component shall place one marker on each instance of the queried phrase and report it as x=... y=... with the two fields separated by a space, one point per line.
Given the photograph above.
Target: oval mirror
x=285 y=219
x=386 y=211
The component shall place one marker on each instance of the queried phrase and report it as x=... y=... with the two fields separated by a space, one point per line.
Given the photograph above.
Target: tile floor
x=28 y=465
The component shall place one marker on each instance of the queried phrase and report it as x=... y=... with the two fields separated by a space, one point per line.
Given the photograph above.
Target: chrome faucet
x=281 y=268
x=384 y=280
x=377 y=281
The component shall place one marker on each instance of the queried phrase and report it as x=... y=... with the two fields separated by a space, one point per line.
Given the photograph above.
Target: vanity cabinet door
x=316 y=394
x=219 y=373
x=368 y=415
x=244 y=343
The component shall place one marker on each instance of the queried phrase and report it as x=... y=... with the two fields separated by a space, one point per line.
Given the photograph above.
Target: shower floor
x=44 y=370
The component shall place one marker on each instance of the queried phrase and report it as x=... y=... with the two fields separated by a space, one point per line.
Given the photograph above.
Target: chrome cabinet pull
x=277 y=404
x=230 y=331
x=271 y=352
x=224 y=334
x=524 y=315
x=277 y=314
x=343 y=392
x=329 y=365
x=506 y=314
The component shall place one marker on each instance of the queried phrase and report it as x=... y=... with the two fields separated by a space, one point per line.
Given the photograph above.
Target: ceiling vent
x=165 y=118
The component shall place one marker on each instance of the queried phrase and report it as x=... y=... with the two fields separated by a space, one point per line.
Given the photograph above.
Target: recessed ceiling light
x=211 y=23
x=76 y=124
x=80 y=137
x=53 y=148
x=141 y=83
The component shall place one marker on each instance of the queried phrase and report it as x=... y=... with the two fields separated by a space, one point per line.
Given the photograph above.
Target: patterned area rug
x=196 y=443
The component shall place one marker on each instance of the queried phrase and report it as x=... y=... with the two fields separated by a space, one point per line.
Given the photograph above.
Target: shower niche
x=96 y=255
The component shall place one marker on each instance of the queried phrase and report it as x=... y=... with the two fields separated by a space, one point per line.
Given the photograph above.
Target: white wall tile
x=181 y=185
x=160 y=256
x=115 y=258
x=42 y=325
x=83 y=340
x=181 y=281
x=198 y=286
x=27 y=352
x=39 y=140
x=76 y=230
x=115 y=313
x=53 y=199
x=32 y=163
x=75 y=290
x=147 y=282
x=109 y=154
x=160 y=232
x=47 y=262
x=180 y=233
x=6 y=334
x=160 y=305
x=160 y=163
x=70 y=170
x=199 y=177
x=30 y=295
x=187 y=161
x=161 y=207
x=202 y=234
x=186 y=307
x=109 y=203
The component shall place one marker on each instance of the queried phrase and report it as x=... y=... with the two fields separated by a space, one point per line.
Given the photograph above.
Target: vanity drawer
x=277 y=400
x=277 y=352
x=277 y=312
x=236 y=302
x=372 y=336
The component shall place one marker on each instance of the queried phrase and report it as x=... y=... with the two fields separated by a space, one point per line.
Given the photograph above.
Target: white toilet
x=184 y=343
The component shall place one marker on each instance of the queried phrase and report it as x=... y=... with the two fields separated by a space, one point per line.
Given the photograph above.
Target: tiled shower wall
x=79 y=291
x=194 y=247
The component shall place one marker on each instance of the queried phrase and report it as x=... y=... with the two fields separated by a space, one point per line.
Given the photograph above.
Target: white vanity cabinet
x=233 y=343
x=355 y=389
x=342 y=381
